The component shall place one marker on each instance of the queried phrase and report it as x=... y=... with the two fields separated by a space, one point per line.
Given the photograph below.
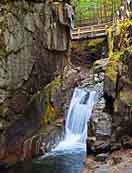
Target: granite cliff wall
x=34 y=42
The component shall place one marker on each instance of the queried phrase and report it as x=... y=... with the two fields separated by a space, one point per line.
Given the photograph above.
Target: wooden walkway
x=89 y=32
x=99 y=29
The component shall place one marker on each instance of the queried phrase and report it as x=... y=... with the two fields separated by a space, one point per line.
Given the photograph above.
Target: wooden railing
x=92 y=31
x=87 y=30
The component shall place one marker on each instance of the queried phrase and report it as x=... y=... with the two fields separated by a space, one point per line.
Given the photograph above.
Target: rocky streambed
x=106 y=151
x=101 y=143
x=117 y=162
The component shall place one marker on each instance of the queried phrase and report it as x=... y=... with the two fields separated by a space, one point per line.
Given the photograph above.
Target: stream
x=69 y=154
x=62 y=163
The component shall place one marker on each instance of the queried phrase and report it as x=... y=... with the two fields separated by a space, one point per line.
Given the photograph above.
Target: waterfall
x=79 y=113
x=69 y=154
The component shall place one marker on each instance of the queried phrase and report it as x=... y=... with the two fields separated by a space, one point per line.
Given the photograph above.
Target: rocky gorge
x=40 y=67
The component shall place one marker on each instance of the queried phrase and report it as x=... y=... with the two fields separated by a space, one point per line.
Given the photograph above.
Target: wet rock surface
x=117 y=162
x=86 y=52
x=101 y=157
x=100 y=125
x=43 y=141
x=99 y=129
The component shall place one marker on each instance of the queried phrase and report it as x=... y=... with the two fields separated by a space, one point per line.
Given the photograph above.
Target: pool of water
x=52 y=163
x=68 y=156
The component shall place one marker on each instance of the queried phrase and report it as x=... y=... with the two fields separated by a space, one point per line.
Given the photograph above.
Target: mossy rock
x=41 y=104
x=116 y=56
x=50 y=112
x=111 y=73
x=126 y=96
x=95 y=42
x=49 y=115
x=113 y=66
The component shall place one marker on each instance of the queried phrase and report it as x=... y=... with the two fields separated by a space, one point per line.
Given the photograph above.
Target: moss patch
x=111 y=73
x=94 y=42
x=50 y=112
x=126 y=96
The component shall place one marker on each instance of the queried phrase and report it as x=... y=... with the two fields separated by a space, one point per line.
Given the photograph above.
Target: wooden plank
x=90 y=36
x=88 y=31
x=107 y=23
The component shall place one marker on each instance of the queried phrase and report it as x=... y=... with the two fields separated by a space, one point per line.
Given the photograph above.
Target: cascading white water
x=69 y=154
x=79 y=113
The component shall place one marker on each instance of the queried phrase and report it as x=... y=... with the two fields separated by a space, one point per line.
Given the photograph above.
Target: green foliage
x=94 y=42
x=116 y=56
x=97 y=9
x=123 y=33
x=112 y=69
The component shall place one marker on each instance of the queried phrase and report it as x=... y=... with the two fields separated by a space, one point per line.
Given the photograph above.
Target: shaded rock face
x=87 y=52
x=118 y=95
x=118 y=87
x=99 y=129
x=34 y=40
x=100 y=124
x=129 y=66
x=118 y=81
